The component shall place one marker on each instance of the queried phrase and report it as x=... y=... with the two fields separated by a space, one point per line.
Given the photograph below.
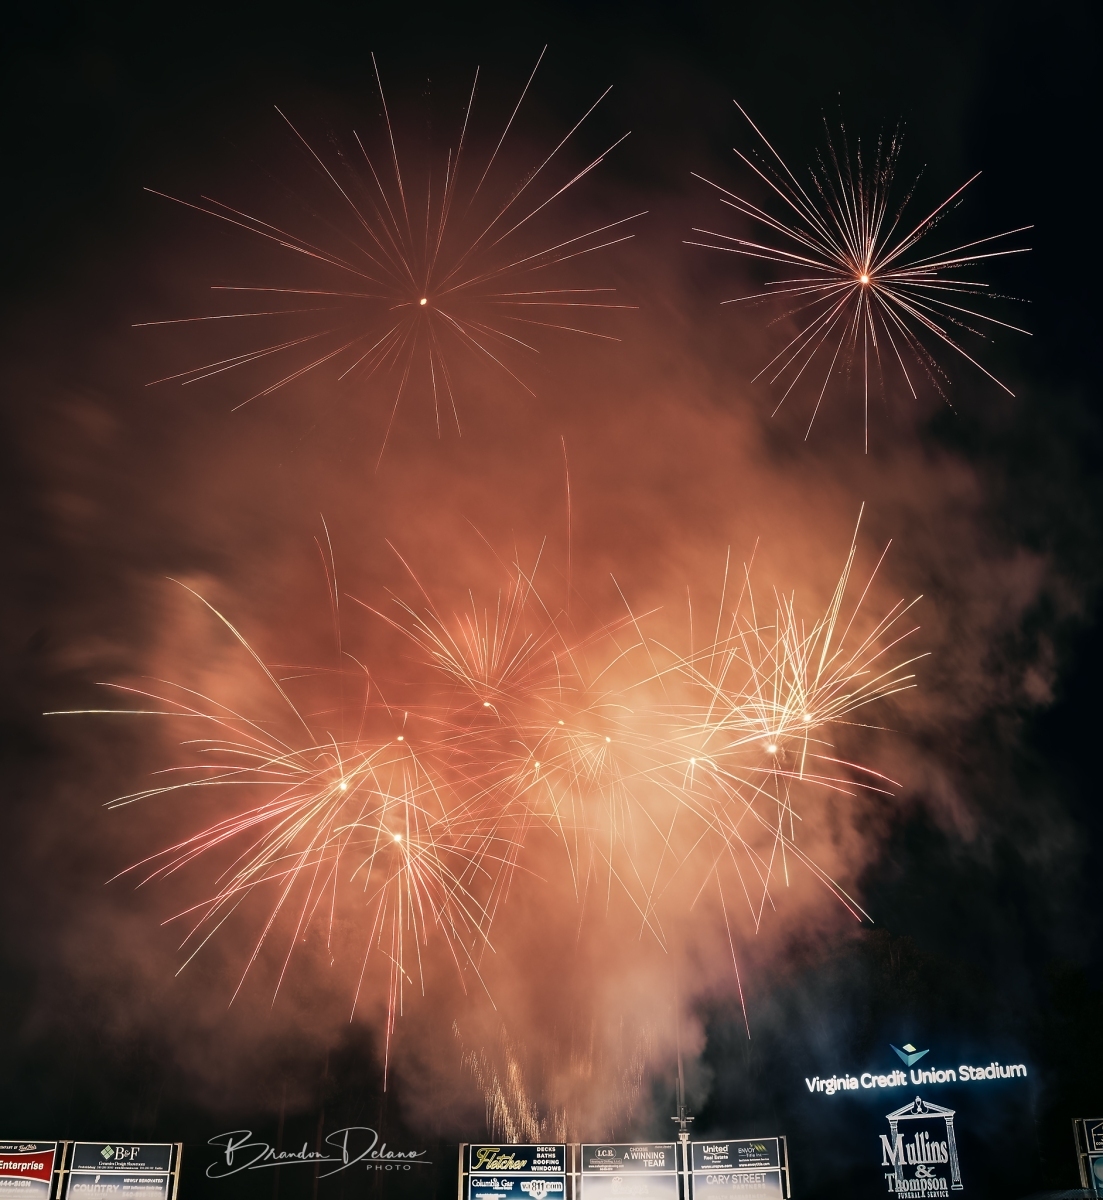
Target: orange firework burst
x=858 y=278
x=645 y=764
x=765 y=698
x=400 y=265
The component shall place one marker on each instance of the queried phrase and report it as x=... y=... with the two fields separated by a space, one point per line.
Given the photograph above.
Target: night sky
x=979 y=871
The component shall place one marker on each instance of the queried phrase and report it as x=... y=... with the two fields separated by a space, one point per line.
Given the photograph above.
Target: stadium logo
x=909 y=1056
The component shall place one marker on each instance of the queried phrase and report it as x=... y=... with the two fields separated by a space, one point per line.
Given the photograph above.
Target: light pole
x=683 y=1120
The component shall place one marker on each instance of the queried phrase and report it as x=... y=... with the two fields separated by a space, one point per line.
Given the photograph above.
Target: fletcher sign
x=516 y=1172
x=511 y=1159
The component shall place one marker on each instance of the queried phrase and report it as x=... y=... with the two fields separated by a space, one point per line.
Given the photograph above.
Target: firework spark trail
x=858 y=291
x=403 y=282
x=338 y=823
x=646 y=766
x=511 y=1111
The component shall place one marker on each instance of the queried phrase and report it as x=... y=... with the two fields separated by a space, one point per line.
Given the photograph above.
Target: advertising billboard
x=1095 y=1174
x=130 y=1170
x=1089 y=1149
x=739 y=1169
x=516 y=1172
x=640 y=1170
x=27 y=1169
x=910 y=1120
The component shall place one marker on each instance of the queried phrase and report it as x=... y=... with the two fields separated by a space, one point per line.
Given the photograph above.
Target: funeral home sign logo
x=919 y=1153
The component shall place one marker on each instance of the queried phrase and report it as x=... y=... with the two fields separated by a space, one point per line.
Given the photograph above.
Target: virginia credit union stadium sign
x=831 y=1085
x=916 y=1148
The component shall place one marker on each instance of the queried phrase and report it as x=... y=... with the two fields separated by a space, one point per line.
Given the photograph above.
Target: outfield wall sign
x=127 y=1170
x=919 y=1155
x=1089 y=1152
x=27 y=1169
x=916 y=1077
x=740 y=1169
x=515 y=1172
x=916 y=1148
x=640 y=1170
x=744 y=1169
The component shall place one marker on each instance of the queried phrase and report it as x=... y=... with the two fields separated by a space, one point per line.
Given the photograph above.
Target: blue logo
x=909 y=1056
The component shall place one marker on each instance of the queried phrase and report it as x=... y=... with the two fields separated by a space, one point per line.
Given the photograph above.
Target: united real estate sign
x=741 y=1169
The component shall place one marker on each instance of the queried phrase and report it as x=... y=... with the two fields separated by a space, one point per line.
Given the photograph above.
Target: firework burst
x=322 y=824
x=858 y=280
x=645 y=765
x=763 y=704
x=399 y=265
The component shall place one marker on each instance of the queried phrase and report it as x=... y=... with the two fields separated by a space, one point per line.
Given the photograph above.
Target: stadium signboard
x=127 y=1170
x=1089 y=1151
x=640 y=1170
x=27 y=1169
x=741 y=1169
x=503 y=1172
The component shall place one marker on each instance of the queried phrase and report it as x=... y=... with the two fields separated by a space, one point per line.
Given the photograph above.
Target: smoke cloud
x=675 y=468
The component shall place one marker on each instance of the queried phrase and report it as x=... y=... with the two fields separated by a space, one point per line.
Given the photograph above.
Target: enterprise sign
x=914 y=1077
x=27 y=1169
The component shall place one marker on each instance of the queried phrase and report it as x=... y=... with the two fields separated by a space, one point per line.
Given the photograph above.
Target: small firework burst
x=400 y=262
x=858 y=279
